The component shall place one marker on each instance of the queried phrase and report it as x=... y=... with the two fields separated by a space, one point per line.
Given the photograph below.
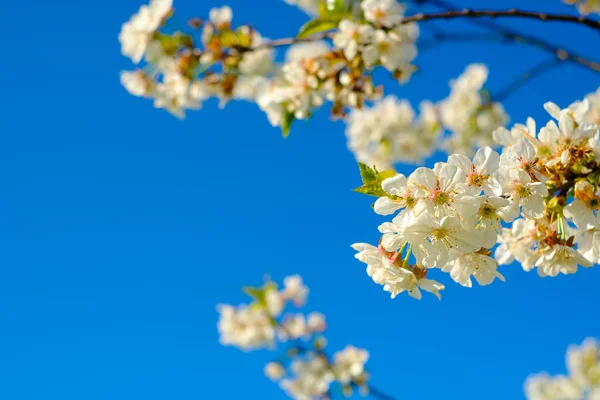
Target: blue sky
x=122 y=227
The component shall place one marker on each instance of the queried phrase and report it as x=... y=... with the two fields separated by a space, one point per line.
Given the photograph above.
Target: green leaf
x=259 y=294
x=336 y=6
x=388 y=173
x=333 y=8
x=317 y=25
x=323 y=10
x=286 y=125
x=372 y=180
x=254 y=292
x=367 y=173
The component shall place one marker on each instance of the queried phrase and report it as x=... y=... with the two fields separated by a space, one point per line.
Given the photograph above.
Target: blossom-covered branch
x=304 y=370
x=452 y=217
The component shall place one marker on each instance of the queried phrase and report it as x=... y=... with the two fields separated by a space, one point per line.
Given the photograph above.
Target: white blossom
x=293 y=327
x=516 y=243
x=399 y=195
x=351 y=37
x=482 y=267
x=544 y=387
x=136 y=34
x=389 y=132
x=177 y=93
x=524 y=194
x=274 y=371
x=316 y=322
x=257 y=62
x=432 y=239
x=479 y=171
x=349 y=363
x=441 y=191
x=295 y=290
x=584 y=208
x=468 y=115
x=311 y=378
x=386 y=13
x=588 y=241
x=581 y=383
x=245 y=327
x=136 y=83
x=390 y=50
x=560 y=259
x=583 y=363
x=506 y=138
x=393 y=278
x=221 y=16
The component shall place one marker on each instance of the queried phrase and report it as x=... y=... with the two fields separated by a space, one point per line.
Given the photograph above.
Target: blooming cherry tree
x=529 y=194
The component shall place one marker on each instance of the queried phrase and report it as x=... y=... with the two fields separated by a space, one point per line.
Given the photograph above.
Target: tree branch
x=526 y=77
x=518 y=37
x=294 y=40
x=441 y=38
x=378 y=394
x=467 y=13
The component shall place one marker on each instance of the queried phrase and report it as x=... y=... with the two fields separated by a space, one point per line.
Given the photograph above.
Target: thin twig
x=441 y=38
x=294 y=40
x=513 y=13
x=378 y=394
x=526 y=77
x=519 y=37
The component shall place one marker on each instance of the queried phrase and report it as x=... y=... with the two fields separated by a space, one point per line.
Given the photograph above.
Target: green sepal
x=259 y=293
x=286 y=125
x=372 y=180
x=367 y=173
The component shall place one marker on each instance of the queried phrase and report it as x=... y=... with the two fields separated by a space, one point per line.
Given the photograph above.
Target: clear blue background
x=121 y=227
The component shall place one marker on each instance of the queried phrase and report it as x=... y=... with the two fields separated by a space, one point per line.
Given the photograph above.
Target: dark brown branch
x=513 y=13
x=378 y=394
x=519 y=37
x=526 y=77
x=441 y=38
x=294 y=40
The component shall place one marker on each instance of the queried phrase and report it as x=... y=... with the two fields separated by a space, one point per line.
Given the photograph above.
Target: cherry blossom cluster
x=389 y=133
x=537 y=202
x=469 y=114
x=581 y=383
x=183 y=69
x=214 y=59
x=304 y=371
x=585 y=7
